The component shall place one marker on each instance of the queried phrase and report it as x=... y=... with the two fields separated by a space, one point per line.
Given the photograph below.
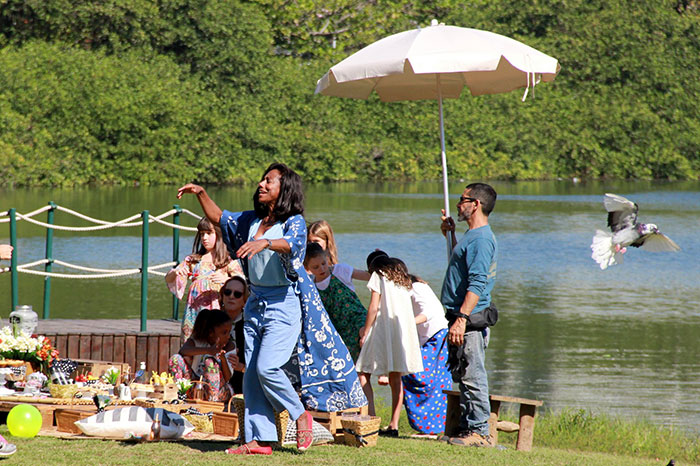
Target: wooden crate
x=98 y=368
x=331 y=421
x=66 y=418
x=167 y=392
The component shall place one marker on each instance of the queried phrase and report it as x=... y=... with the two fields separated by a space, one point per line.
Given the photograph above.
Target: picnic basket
x=156 y=403
x=63 y=391
x=360 y=431
x=226 y=422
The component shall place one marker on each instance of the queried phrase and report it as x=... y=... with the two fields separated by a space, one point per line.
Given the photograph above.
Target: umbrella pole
x=445 y=190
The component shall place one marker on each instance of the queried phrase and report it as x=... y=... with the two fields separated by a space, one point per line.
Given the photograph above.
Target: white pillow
x=120 y=422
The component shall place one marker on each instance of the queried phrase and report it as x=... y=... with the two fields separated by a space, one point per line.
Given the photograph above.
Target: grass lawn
x=44 y=450
x=572 y=444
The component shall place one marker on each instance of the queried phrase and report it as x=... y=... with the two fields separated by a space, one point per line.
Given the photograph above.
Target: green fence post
x=176 y=255
x=144 y=270
x=13 y=262
x=49 y=258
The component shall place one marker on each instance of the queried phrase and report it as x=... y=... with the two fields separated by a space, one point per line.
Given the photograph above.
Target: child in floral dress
x=203 y=354
x=208 y=267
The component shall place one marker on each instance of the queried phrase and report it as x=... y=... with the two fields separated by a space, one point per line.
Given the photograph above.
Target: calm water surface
x=623 y=341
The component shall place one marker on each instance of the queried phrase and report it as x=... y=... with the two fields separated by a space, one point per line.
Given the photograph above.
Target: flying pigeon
x=608 y=248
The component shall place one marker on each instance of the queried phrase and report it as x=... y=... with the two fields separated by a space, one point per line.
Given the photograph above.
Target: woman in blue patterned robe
x=284 y=315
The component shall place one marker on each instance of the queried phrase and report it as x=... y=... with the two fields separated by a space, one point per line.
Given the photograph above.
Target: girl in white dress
x=389 y=338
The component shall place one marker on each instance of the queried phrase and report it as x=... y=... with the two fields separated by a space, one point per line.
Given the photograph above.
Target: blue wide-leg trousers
x=272 y=327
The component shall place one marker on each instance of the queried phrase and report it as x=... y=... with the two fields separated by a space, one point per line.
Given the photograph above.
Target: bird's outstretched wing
x=622 y=213
x=658 y=242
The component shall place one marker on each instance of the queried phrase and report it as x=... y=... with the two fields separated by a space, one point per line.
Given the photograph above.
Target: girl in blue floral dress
x=426 y=405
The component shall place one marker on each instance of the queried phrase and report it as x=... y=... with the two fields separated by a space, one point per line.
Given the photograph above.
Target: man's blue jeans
x=474 y=386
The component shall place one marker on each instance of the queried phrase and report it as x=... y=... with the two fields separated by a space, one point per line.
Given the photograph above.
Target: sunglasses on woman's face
x=236 y=294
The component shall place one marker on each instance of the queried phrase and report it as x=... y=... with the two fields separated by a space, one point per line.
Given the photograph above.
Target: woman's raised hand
x=5 y=252
x=211 y=210
x=190 y=188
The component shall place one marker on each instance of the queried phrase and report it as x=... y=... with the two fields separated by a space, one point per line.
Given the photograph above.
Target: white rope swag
x=132 y=221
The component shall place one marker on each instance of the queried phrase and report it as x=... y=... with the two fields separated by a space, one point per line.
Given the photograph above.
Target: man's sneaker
x=7 y=449
x=472 y=439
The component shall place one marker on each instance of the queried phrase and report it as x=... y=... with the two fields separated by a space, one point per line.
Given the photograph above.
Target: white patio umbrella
x=437 y=62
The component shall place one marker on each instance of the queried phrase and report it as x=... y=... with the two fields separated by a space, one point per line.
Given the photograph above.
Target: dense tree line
x=167 y=91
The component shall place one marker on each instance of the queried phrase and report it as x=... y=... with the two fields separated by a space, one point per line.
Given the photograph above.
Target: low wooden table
x=525 y=428
x=48 y=406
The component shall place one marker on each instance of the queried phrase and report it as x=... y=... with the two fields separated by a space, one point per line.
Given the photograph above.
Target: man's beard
x=463 y=216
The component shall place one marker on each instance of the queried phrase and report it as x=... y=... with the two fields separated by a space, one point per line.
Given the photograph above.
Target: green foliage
x=211 y=90
x=75 y=117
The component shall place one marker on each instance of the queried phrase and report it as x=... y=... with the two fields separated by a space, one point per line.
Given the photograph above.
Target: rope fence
x=142 y=220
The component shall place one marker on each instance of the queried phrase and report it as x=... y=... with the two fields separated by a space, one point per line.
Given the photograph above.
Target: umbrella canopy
x=405 y=66
x=438 y=62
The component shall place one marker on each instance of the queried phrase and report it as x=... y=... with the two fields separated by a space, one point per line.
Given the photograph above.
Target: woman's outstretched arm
x=211 y=210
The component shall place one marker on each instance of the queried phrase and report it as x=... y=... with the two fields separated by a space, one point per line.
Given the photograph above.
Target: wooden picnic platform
x=114 y=340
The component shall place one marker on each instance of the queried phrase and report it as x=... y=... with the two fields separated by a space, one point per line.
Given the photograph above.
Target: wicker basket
x=361 y=431
x=153 y=403
x=208 y=406
x=281 y=420
x=63 y=391
x=226 y=423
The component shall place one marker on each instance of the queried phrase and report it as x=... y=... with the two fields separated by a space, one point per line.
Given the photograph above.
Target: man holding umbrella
x=466 y=290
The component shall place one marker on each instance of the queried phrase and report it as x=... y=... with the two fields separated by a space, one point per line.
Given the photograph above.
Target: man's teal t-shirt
x=472 y=268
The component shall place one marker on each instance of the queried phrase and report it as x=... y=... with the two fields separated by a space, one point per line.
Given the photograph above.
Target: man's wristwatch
x=463 y=316
x=269 y=244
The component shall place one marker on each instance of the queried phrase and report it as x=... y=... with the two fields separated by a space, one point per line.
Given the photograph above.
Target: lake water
x=623 y=341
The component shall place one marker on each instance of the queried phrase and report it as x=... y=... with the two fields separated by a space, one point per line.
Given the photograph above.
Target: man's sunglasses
x=463 y=199
x=236 y=294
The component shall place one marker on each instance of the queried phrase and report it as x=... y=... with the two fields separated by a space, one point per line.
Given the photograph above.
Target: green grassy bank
x=570 y=437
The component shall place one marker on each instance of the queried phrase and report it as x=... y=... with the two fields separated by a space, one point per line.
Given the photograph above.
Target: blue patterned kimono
x=327 y=374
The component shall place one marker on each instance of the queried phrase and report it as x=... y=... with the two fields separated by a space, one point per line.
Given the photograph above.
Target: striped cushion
x=121 y=422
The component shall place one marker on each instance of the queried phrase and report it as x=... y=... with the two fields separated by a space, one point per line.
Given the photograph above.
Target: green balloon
x=24 y=421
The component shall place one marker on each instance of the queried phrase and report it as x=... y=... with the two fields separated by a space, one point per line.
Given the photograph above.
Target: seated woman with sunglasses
x=233 y=296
